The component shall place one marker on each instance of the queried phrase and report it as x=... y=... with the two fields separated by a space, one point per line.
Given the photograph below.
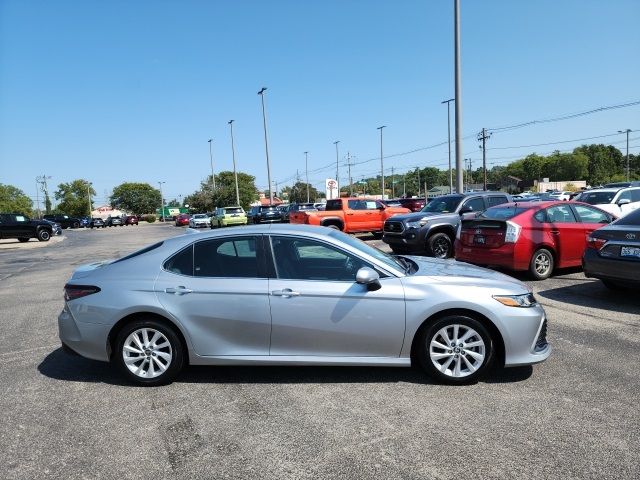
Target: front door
x=567 y=234
x=318 y=309
x=217 y=289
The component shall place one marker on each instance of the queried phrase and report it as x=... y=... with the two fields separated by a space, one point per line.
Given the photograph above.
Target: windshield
x=306 y=206
x=269 y=209
x=447 y=204
x=200 y=215
x=368 y=249
x=597 y=198
x=233 y=210
x=502 y=212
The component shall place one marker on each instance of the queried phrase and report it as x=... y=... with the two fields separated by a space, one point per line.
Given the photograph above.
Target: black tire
x=459 y=355
x=376 y=235
x=76 y=225
x=399 y=250
x=541 y=264
x=334 y=226
x=175 y=349
x=439 y=245
x=23 y=240
x=44 y=235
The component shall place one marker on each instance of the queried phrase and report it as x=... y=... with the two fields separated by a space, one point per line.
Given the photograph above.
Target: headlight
x=418 y=223
x=525 y=300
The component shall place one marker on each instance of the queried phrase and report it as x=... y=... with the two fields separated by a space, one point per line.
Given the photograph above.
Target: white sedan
x=200 y=220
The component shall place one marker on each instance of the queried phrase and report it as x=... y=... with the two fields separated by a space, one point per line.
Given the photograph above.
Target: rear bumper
x=604 y=268
x=86 y=339
x=233 y=221
x=504 y=256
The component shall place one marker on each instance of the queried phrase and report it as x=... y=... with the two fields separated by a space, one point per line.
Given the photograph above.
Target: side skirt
x=298 y=360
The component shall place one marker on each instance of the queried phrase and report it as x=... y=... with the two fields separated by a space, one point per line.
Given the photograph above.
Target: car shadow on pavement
x=60 y=365
x=593 y=294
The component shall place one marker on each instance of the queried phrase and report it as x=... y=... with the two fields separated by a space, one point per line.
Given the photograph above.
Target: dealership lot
x=575 y=416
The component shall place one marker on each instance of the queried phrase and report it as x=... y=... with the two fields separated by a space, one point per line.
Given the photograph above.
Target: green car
x=227 y=216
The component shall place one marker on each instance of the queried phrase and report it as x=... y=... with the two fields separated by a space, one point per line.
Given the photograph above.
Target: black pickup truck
x=65 y=221
x=16 y=225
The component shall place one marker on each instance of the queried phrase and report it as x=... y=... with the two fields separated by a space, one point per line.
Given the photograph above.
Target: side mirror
x=464 y=210
x=369 y=277
x=624 y=201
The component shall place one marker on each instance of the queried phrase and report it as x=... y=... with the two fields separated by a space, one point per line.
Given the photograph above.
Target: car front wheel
x=149 y=353
x=44 y=235
x=439 y=245
x=456 y=350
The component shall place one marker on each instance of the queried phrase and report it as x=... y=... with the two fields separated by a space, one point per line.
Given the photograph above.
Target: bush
x=151 y=218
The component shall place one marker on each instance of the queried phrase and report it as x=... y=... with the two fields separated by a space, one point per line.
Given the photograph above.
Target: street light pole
x=448 y=102
x=337 y=167
x=233 y=154
x=89 y=195
x=306 y=169
x=627 y=131
x=161 y=200
x=266 y=143
x=213 y=178
x=458 y=98
x=381 y=160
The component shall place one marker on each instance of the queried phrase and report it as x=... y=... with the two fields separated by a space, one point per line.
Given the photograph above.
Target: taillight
x=513 y=232
x=71 y=292
x=595 y=242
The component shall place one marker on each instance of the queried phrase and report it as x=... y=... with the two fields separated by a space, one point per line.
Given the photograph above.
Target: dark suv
x=16 y=225
x=65 y=221
x=264 y=214
x=433 y=229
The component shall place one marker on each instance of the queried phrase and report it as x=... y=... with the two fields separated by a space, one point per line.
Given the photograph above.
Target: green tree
x=73 y=197
x=136 y=198
x=205 y=199
x=298 y=193
x=14 y=200
x=605 y=161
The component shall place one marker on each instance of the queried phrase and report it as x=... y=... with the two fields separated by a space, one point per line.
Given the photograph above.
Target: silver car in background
x=200 y=220
x=296 y=295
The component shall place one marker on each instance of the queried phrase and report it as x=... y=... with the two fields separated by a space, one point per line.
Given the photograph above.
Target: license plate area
x=479 y=239
x=633 y=252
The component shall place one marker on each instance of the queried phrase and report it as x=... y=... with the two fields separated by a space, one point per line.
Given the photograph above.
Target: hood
x=419 y=215
x=461 y=274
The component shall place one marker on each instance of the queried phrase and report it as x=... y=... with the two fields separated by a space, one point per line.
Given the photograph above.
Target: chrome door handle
x=287 y=292
x=178 y=290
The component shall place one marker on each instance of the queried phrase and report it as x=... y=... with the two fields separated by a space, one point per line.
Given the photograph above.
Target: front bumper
x=524 y=331
x=411 y=239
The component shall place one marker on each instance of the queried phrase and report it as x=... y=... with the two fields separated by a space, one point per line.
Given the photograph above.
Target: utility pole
x=37 y=197
x=350 y=179
x=42 y=180
x=381 y=161
x=483 y=136
x=458 y=98
x=161 y=200
x=469 y=177
x=306 y=169
x=266 y=143
x=89 y=195
x=627 y=131
x=213 y=178
x=337 y=167
x=393 y=185
x=404 y=185
x=233 y=154
x=449 y=141
x=419 y=182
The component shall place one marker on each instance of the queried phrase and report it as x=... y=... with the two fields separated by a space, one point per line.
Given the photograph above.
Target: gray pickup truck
x=432 y=230
x=16 y=225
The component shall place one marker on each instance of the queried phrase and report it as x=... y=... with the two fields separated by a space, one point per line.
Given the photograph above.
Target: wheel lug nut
x=449 y=351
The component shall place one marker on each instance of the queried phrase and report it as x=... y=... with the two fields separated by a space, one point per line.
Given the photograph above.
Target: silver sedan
x=296 y=295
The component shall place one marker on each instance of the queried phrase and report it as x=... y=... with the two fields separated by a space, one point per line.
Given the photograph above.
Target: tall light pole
x=448 y=102
x=161 y=200
x=89 y=195
x=306 y=169
x=337 y=167
x=381 y=160
x=458 y=98
x=213 y=178
x=266 y=143
x=627 y=131
x=233 y=155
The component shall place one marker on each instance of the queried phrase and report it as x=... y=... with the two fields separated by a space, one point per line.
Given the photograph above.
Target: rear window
x=233 y=210
x=268 y=209
x=503 y=213
x=309 y=206
x=631 y=219
x=334 y=205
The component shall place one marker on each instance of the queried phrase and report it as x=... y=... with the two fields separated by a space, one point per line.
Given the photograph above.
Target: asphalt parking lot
x=575 y=416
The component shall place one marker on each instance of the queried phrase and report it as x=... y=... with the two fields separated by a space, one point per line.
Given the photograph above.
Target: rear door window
x=496 y=200
x=230 y=257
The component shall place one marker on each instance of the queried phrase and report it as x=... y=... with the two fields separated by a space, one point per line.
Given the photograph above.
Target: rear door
x=592 y=219
x=217 y=288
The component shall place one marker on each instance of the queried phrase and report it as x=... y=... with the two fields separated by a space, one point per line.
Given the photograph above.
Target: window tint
x=496 y=200
x=304 y=259
x=635 y=195
x=226 y=257
x=541 y=216
x=626 y=195
x=560 y=214
x=475 y=204
x=503 y=213
x=181 y=263
x=596 y=198
x=334 y=205
x=591 y=215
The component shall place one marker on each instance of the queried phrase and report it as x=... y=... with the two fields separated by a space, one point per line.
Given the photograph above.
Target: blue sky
x=131 y=91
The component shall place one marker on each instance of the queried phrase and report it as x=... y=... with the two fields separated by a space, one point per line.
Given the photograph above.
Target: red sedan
x=533 y=236
x=182 y=220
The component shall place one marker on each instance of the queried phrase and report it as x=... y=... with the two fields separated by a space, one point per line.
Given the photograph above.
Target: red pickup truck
x=350 y=215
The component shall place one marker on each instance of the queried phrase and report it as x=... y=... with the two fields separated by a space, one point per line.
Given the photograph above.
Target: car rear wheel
x=76 y=225
x=149 y=352
x=541 y=265
x=43 y=235
x=439 y=245
x=23 y=240
x=456 y=349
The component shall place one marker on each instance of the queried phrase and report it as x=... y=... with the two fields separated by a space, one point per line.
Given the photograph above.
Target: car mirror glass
x=624 y=201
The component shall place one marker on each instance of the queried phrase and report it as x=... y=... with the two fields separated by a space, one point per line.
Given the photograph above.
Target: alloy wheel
x=542 y=264
x=147 y=353
x=457 y=350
